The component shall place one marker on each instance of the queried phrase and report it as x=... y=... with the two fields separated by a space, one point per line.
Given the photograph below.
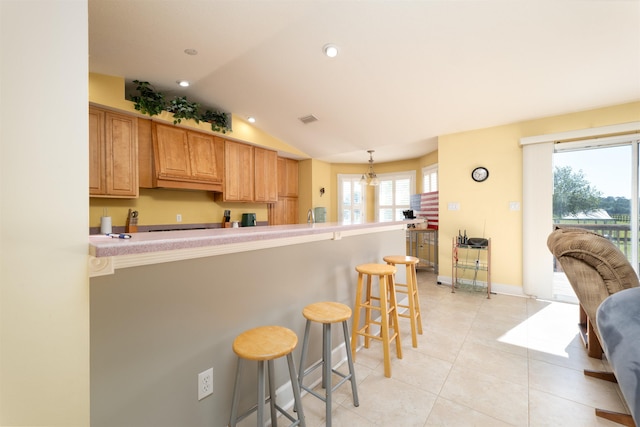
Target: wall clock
x=480 y=174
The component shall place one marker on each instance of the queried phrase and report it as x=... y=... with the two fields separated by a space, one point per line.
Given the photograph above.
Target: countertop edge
x=107 y=255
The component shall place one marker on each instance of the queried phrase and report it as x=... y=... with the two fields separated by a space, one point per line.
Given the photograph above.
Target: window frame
x=411 y=175
x=427 y=173
x=351 y=178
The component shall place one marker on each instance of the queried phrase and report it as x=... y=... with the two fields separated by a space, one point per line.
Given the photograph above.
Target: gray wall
x=154 y=328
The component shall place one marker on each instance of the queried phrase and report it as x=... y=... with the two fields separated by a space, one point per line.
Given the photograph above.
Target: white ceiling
x=407 y=71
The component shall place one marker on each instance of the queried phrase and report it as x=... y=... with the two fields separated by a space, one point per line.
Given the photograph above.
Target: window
x=351 y=199
x=430 y=179
x=394 y=195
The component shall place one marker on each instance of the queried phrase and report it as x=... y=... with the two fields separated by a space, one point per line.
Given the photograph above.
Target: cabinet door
x=171 y=153
x=287 y=177
x=291 y=210
x=238 y=172
x=266 y=174
x=292 y=178
x=205 y=157
x=284 y=211
x=121 y=153
x=97 y=173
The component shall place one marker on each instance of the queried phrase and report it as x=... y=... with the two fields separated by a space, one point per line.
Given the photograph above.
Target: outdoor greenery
x=616 y=206
x=151 y=102
x=572 y=193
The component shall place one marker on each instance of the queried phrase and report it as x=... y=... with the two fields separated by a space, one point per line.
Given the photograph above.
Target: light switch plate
x=514 y=206
x=453 y=206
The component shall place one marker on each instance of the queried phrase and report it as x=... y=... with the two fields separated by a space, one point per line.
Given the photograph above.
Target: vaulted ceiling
x=406 y=72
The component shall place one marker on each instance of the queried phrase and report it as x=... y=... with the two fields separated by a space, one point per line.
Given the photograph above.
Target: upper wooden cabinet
x=187 y=159
x=239 y=172
x=251 y=174
x=287 y=177
x=113 y=154
x=266 y=175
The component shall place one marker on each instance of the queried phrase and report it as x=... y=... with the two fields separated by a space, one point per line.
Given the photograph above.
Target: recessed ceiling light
x=191 y=52
x=330 y=50
x=183 y=83
x=251 y=119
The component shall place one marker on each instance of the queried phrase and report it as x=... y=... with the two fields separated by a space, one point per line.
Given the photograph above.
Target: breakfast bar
x=166 y=306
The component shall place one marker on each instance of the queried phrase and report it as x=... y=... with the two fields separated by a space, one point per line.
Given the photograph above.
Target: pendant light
x=370 y=176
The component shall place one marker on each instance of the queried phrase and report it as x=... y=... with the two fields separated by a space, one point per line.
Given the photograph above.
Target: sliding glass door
x=595 y=189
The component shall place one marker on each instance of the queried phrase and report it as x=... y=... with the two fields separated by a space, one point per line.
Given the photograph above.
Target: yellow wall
x=484 y=207
x=160 y=207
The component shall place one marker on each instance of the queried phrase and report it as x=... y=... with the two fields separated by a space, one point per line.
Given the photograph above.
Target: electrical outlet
x=179 y=218
x=205 y=383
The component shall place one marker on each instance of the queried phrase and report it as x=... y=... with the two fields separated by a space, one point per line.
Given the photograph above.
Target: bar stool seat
x=327 y=313
x=266 y=343
x=386 y=305
x=411 y=289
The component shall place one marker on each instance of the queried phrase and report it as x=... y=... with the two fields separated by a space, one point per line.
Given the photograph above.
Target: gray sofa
x=618 y=321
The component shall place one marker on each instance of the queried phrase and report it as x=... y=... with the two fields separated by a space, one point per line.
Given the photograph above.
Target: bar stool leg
x=367 y=312
x=261 y=393
x=356 y=318
x=412 y=307
x=236 y=395
x=416 y=297
x=303 y=356
x=394 y=316
x=326 y=372
x=272 y=393
x=297 y=399
x=384 y=326
x=354 y=389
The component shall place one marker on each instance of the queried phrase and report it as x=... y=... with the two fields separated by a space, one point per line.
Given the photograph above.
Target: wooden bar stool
x=387 y=306
x=261 y=344
x=412 y=293
x=327 y=313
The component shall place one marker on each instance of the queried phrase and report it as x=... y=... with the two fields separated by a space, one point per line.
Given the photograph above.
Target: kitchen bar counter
x=108 y=254
x=168 y=305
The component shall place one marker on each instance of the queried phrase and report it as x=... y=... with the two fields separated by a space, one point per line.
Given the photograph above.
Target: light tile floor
x=504 y=361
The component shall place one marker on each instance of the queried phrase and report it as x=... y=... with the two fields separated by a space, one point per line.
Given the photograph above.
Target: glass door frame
x=616 y=141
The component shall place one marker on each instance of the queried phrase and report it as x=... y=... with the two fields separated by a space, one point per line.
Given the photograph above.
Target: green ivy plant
x=151 y=102
x=220 y=122
x=183 y=109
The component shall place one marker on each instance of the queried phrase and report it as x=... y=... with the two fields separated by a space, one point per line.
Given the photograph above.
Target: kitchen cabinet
x=113 y=154
x=266 y=173
x=239 y=173
x=250 y=173
x=187 y=159
x=284 y=211
x=287 y=177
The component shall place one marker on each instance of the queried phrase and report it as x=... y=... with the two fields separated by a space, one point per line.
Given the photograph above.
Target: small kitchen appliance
x=248 y=220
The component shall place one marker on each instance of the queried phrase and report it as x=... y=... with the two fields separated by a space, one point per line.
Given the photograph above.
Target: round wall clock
x=480 y=174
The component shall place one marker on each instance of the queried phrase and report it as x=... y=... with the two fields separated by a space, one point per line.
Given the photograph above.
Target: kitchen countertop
x=108 y=254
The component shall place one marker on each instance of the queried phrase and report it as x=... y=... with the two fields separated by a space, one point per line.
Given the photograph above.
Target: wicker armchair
x=596 y=268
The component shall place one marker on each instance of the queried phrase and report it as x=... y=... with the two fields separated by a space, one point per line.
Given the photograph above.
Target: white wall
x=44 y=298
